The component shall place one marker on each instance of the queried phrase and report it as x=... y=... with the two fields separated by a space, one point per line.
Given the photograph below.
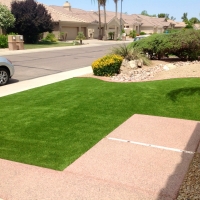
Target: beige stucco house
x=72 y=20
x=69 y=21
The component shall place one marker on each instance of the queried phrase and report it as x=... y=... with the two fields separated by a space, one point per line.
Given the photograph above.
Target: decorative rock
x=130 y=72
x=140 y=63
x=133 y=64
x=166 y=68
x=171 y=66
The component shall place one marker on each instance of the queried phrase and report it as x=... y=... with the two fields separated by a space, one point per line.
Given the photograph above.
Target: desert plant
x=122 y=50
x=80 y=37
x=132 y=34
x=3 y=41
x=107 y=65
x=128 y=53
x=111 y=35
x=63 y=36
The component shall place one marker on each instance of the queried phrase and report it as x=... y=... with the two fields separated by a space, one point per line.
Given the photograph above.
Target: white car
x=140 y=37
x=6 y=70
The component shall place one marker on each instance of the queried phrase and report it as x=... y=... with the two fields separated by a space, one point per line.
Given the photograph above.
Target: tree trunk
x=100 y=36
x=105 y=25
x=116 y=8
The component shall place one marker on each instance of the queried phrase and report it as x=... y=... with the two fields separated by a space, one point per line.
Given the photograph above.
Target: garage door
x=71 y=32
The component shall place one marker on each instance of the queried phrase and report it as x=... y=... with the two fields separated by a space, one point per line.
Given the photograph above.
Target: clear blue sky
x=174 y=8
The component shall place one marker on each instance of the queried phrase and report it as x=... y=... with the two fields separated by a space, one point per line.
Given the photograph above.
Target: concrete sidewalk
x=41 y=81
x=145 y=158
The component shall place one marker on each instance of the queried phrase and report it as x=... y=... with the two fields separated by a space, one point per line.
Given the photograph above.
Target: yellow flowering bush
x=107 y=65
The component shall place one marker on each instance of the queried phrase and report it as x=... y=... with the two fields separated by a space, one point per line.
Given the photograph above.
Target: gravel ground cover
x=190 y=188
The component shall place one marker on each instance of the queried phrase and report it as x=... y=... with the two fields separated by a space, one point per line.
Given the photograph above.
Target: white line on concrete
x=151 y=145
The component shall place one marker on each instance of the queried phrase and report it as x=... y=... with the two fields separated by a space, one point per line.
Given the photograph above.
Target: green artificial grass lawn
x=47 y=45
x=52 y=126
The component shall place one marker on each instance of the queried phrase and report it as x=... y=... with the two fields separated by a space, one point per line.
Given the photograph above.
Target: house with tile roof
x=70 y=21
x=85 y=21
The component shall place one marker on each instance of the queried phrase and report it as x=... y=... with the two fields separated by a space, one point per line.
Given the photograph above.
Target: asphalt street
x=38 y=64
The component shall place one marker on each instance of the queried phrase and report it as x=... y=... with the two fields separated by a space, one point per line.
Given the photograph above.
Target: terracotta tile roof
x=79 y=15
x=180 y=25
x=171 y=21
x=58 y=14
x=153 y=21
x=7 y=2
x=196 y=26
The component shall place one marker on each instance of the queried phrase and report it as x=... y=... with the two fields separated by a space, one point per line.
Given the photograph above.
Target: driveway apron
x=146 y=157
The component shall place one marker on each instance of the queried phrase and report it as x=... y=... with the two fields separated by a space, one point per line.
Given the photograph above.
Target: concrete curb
x=41 y=81
x=87 y=44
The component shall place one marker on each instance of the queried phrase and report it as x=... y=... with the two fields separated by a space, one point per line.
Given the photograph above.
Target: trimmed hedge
x=107 y=65
x=185 y=44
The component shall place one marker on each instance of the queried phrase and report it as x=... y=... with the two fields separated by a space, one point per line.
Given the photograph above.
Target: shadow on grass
x=181 y=92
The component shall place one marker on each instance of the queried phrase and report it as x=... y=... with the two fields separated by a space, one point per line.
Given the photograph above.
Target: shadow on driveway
x=184 y=162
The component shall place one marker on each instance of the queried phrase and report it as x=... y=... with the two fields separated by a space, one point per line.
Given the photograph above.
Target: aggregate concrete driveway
x=145 y=158
x=43 y=63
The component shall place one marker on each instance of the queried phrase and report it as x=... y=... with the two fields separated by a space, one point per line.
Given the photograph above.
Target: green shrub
x=123 y=31
x=11 y=33
x=132 y=34
x=3 y=41
x=80 y=37
x=130 y=53
x=142 y=33
x=185 y=44
x=172 y=30
x=107 y=65
x=111 y=35
x=50 y=38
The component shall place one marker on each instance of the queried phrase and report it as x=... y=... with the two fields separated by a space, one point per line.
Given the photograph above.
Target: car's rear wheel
x=4 y=76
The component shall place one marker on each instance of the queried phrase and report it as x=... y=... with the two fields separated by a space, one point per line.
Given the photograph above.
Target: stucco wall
x=147 y=29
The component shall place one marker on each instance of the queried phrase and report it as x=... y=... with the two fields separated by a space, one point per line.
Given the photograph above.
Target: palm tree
x=115 y=7
x=103 y=3
x=184 y=17
x=99 y=11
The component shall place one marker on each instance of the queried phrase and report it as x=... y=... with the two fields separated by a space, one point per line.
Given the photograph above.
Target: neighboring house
x=153 y=24
x=69 y=21
x=81 y=20
x=177 y=25
x=196 y=26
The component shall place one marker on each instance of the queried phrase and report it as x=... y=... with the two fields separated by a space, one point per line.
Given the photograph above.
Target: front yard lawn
x=47 y=45
x=52 y=126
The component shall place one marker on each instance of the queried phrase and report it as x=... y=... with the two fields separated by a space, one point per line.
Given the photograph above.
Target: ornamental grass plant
x=129 y=53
